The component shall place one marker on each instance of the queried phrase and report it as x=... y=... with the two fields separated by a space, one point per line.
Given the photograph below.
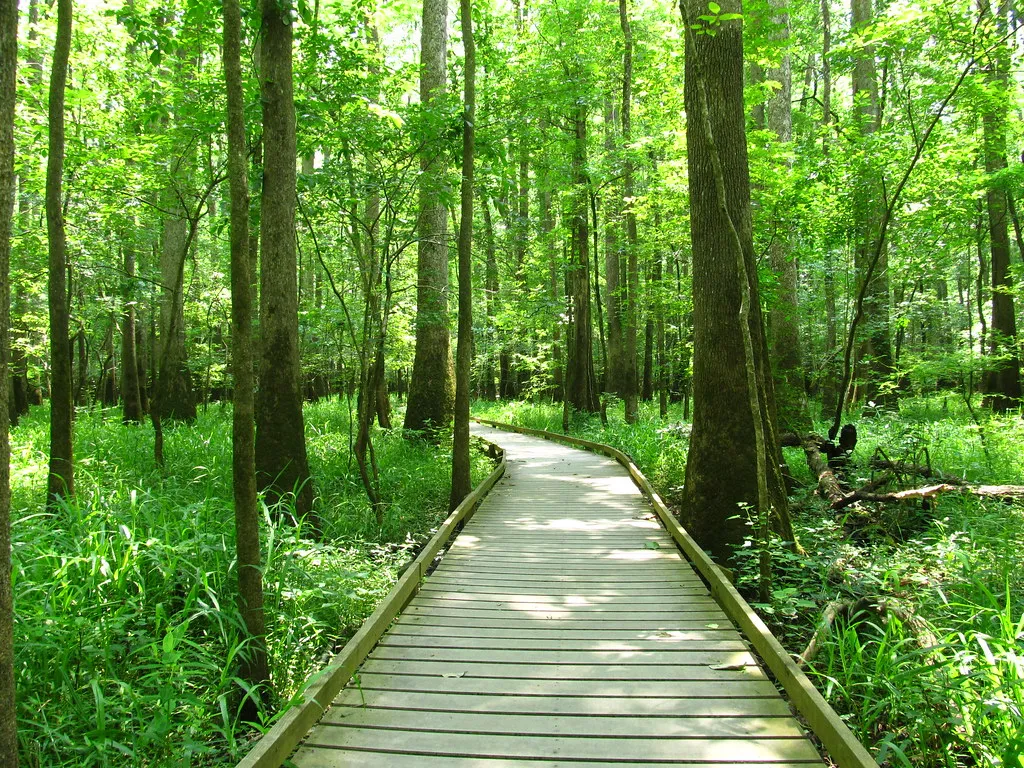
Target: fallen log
x=851 y=609
x=930 y=492
x=828 y=484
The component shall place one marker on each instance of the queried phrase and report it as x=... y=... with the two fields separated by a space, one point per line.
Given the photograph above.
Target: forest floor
x=126 y=626
x=918 y=608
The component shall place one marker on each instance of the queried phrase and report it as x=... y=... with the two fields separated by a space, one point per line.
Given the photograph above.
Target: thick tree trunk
x=783 y=319
x=282 y=468
x=1003 y=383
x=432 y=388
x=255 y=668
x=874 y=355
x=8 y=87
x=615 y=365
x=729 y=357
x=61 y=482
x=129 y=359
x=461 y=483
x=632 y=316
x=580 y=384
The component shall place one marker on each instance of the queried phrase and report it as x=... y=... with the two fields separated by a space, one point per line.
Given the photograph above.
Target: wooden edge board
x=274 y=747
x=842 y=745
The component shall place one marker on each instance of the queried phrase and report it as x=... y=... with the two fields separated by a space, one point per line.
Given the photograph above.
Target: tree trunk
x=461 y=483
x=1003 y=383
x=615 y=366
x=129 y=359
x=632 y=318
x=176 y=399
x=830 y=373
x=432 y=388
x=555 y=297
x=783 y=319
x=733 y=401
x=487 y=372
x=282 y=468
x=580 y=385
x=8 y=88
x=255 y=669
x=657 y=308
x=142 y=363
x=875 y=351
x=61 y=478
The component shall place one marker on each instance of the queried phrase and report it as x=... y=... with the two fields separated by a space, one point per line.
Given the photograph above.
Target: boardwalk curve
x=562 y=628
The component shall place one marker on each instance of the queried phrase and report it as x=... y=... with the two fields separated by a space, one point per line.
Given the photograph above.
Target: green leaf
x=155 y=57
x=730 y=16
x=715 y=8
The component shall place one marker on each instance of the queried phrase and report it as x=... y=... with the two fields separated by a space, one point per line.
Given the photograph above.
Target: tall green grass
x=935 y=678
x=127 y=633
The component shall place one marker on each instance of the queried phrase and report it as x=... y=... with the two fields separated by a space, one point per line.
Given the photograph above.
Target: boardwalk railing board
x=825 y=723
x=278 y=743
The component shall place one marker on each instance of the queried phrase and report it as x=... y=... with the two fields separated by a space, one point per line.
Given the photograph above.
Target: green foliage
x=127 y=630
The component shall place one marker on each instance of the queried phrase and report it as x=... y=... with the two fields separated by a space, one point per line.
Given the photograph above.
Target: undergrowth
x=925 y=659
x=127 y=633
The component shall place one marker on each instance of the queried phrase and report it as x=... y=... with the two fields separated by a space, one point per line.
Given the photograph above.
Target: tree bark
x=255 y=668
x=783 y=319
x=730 y=365
x=129 y=359
x=1003 y=382
x=487 y=371
x=828 y=484
x=831 y=373
x=580 y=384
x=615 y=365
x=282 y=467
x=630 y=378
x=432 y=387
x=461 y=483
x=61 y=483
x=874 y=356
x=176 y=399
x=8 y=94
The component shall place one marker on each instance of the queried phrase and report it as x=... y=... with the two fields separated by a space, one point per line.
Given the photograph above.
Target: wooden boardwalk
x=562 y=628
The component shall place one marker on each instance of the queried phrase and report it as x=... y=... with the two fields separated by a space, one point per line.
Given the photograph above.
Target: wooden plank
x=728 y=644
x=278 y=742
x=824 y=721
x=648 y=707
x=480 y=628
x=513 y=577
x=477 y=637
x=577 y=597
x=318 y=757
x=664 y=592
x=554 y=654
x=592 y=726
x=724 y=642
x=552 y=569
x=549 y=610
x=590 y=688
x=488 y=745
x=563 y=672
